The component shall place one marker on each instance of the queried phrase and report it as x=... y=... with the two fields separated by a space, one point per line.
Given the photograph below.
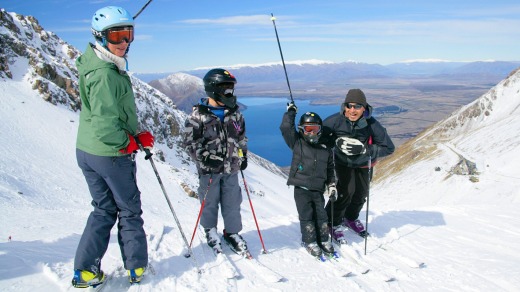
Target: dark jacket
x=312 y=166
x=362 y=129
x=204 y=131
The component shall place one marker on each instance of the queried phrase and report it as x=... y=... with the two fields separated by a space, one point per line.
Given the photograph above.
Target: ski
x=264 y=272
x=136 y=286
x=339 y=242
x=226 y=268
x=221 y=261
x=336 y=259
x=101 y=287
x=363 y=233
x=320 y=258
x=332 y=256
x=365 y=269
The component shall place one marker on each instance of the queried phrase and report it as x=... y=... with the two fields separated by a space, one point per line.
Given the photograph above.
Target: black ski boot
x=236 y=243
x=313 y=249
x=327 y=247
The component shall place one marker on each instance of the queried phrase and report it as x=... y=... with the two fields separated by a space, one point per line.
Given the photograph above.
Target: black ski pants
x=312 y=215
x=353 y=184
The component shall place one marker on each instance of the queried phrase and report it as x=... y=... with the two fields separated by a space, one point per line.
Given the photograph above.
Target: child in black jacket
x=312 y=175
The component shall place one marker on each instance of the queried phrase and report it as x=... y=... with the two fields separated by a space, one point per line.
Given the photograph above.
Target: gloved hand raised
x=350 y=146
x=145 y=138
x=292 y=107
x=210 y=160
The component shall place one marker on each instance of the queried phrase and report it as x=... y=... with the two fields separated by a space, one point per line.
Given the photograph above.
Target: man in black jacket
x=360 y=140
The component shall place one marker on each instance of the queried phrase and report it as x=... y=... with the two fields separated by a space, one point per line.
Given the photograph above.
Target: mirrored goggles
x=229 y=92
x=354 y=105
x=226 y=92
x=117 y=35
x=310 y=129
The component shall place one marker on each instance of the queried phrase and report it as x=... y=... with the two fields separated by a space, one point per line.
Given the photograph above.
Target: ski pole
x=281 y=54
x=147 y=157
x=200 y=212
x=137 y=14
x=368 y=199
x=253 y=211
x=332 y=199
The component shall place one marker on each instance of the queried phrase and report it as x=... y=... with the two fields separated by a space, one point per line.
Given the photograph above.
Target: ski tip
x=247 y=255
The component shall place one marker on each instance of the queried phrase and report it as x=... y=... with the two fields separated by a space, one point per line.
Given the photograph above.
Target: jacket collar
x=107 y=56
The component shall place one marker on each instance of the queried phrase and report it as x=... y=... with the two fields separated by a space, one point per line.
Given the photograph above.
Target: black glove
x=350 y=146
x=211 y=160
x=243 y=165
x=292 y=107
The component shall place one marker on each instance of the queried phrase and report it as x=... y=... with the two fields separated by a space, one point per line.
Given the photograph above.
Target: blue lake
x=263 y=117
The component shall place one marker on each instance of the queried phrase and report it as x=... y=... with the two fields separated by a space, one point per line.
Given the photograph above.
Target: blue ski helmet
x=110 y=16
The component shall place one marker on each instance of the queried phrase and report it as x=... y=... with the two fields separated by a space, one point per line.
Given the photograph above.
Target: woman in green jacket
x=105 y=150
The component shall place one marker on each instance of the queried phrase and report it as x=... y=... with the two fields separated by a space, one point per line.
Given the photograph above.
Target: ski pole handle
x=146 y=150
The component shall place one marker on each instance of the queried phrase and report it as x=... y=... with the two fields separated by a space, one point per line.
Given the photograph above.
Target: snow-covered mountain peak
x=496 y=106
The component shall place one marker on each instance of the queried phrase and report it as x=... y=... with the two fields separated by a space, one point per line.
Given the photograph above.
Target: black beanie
x=357 y=96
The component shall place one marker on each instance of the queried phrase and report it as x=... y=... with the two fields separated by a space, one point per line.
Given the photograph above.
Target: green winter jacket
x=108 y=109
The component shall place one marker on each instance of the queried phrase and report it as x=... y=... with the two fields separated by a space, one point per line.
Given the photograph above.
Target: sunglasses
x=310 y=129
x=353 y=105
x=117 y=35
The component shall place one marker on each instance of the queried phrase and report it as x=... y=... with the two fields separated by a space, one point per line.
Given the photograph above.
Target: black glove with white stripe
x=350 y=146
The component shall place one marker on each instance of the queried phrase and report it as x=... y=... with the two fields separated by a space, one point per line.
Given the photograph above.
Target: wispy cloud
x=233 y=20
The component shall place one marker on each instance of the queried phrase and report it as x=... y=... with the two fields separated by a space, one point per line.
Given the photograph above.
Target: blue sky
x=174 y=35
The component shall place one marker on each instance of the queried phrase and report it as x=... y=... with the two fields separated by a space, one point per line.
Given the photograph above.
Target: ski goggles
x=353 y=105
x=226 y=89
x=310 y=129
x=229 y=92
x=117 y=35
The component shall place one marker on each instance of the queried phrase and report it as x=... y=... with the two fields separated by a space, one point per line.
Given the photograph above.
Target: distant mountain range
x=327 y=82
x=312 y=71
